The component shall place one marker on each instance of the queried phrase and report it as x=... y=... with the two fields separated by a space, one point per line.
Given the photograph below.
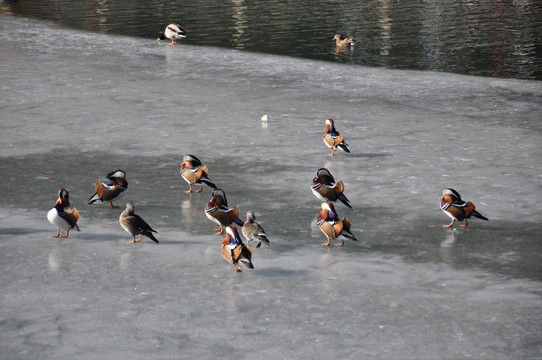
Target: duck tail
x=151 y=236
x=245 y=257
x=262 y=239
x=346 y=229
x=344 y=200
x=247 y=263
x=347 y=234
x=94 y=198
x=344 y=146
x=208 y=182
x=479 y=216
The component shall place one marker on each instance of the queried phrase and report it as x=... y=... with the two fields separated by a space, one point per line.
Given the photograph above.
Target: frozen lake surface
x=76 y=105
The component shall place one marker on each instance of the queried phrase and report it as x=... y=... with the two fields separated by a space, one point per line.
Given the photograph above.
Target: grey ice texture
x=75 y=105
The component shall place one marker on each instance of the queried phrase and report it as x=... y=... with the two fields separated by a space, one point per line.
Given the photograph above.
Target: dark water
x=488 y=38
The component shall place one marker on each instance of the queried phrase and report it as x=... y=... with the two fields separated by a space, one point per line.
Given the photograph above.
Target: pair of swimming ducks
x=175 y=32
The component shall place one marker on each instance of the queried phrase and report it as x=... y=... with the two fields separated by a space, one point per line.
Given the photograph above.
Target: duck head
x=330 y=126
x=63 y=198
x=324 y=176
x=328 y=210
x=451 y=194
x=219 y=196
x=130 y=208
x=250 y=216
x=232 y=235
x=117 y=174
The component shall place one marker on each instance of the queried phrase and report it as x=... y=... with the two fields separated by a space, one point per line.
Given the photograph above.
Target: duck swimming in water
x=341 y=40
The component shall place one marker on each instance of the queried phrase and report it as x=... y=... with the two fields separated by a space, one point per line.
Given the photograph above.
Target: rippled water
x=490 y=38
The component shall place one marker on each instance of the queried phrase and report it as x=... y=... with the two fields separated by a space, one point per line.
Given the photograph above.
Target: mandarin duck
x=172 y=32
x=457 y=209
x=217 y=211
x=329 y=223
x=253 y=231
x=135 y=225
x=193 y=172
x=341 y=40
x=109 y=192
x=234 y=251
x=62 y=216
x=324 y=187
x=220 y=197
x=333 y=139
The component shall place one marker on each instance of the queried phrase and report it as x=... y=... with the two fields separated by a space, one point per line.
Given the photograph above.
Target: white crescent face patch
x=119 y=174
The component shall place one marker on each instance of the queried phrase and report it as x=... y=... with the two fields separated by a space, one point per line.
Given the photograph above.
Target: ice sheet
x=77 y=105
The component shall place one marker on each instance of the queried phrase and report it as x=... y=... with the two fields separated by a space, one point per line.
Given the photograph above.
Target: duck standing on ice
x=172 y=32
x=457 y=209
x=61 y=216
x=234 y=251
x=135 y=225
x=109 y=192
x=334 y=139
x=194 y=172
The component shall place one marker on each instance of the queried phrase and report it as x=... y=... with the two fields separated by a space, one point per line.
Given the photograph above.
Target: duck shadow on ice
x=19 y=231
x=279 y=272
x=102 y=237
x=454 y=249
x=369 y=155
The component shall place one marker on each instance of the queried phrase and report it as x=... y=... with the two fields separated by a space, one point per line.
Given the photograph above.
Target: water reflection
x=187 y=214
x=125 y=261
x=52 y=260
x=451 y=249
x=344 y=50
x=384 y=24
x=239 y=23
x=230 y=290
x=433 y=35
x=486 y=37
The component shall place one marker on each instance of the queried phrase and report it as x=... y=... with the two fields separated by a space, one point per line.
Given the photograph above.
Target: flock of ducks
x=194 y=172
